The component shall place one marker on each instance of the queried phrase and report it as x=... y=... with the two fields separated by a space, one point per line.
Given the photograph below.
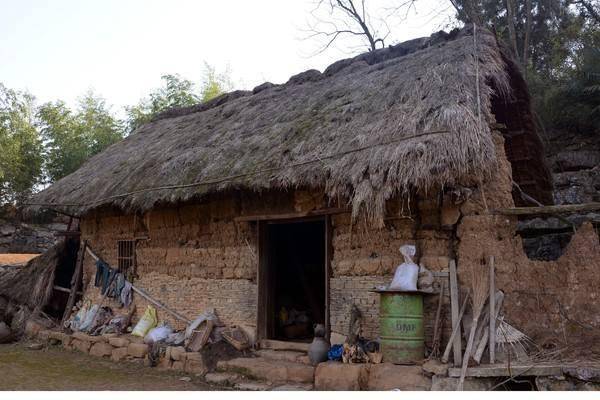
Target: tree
x=175 y=92
x=214 y=84
x=73 y=137
x=21 y=147
x=178 y=92
x=333 y=19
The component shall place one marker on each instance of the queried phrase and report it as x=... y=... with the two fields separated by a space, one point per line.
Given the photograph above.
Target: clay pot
x=317 y=352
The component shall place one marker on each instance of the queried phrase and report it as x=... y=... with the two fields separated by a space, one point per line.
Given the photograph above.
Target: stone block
x=137 y=350
x=81 y=345
x=118 y=342
x=333 y=375
x=43 y=335
x=60 y=336
x=178 y=365
x=101 y=349
x=88 y=338
x=439 y=383
x=388 y=376
x=32 y=329
x=435 y=367
x=165 y=363
x=177 y=353
x=119 y=354
x=196 y=367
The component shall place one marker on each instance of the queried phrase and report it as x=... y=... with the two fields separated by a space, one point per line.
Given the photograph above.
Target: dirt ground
x=16 y=258
x=56 y=369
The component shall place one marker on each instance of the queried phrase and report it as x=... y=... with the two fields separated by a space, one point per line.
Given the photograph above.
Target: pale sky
x=59 y=49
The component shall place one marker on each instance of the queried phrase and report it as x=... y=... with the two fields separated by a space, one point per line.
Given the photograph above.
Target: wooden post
x=454 y=301
x=75 y=284
x=455 y=330
x=492 y=330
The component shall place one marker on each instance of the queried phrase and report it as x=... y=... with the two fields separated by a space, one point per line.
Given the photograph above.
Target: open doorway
x=293 y=284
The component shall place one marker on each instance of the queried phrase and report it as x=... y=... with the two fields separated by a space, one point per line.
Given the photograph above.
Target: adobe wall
x=196 y=257
x=554 y=302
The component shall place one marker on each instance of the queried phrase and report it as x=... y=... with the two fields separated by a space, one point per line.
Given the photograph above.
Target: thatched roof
x=366 y=129
x=31 y=284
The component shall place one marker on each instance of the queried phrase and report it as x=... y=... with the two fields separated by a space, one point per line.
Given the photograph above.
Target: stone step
x=252 y=386
x=222 y=378
x=284 y=345
x=269 y=370
x=284 y=355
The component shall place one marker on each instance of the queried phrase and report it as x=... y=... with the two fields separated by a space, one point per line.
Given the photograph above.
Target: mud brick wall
x=191 y=258
x=365 y=257
x=554 y=302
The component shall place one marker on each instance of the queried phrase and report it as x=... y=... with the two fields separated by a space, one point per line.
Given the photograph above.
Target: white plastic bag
x=157 y=334
x=407 y=273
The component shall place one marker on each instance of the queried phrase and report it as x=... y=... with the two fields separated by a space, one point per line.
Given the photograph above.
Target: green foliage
x=177 y=92
x=562 y=63
x=21 y=148
x=214 y=84
x=73 y=137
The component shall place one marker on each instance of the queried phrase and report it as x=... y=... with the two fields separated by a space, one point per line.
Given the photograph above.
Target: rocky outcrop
x=19 y=237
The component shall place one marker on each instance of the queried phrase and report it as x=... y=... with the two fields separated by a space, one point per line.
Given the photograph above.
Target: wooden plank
x=485 y=371
x=455 y=330
x=262 y=275
x=158 y=304
x=492 y=329
x=314 y=213
x=76 y=280
x=145 y=295
x=454 y=302
x=64 y=289
x=328 y=257
x=564 y=208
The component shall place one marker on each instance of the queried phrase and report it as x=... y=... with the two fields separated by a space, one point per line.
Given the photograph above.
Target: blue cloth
x=335 y=352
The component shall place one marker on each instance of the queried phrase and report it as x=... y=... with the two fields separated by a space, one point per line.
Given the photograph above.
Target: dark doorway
x=294 y=278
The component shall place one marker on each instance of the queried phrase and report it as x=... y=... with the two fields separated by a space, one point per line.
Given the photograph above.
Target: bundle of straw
x=480 y=288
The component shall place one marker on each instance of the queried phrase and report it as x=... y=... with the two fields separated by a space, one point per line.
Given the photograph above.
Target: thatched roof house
x=253 y=203
x=414 y=115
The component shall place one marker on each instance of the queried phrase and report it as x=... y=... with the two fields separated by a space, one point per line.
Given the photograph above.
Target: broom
x=479 y=282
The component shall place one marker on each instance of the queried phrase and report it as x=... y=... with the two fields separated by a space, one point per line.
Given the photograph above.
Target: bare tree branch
x=349 y=17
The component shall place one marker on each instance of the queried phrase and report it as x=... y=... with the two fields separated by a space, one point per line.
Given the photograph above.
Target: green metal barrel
x=401 y=326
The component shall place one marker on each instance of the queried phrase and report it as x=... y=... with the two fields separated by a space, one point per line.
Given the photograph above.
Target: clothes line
x=145 y=295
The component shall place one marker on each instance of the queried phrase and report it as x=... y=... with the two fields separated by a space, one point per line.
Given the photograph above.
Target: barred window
x=125 y=254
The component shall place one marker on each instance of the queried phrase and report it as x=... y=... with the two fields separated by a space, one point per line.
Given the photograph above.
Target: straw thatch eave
x=367 y=129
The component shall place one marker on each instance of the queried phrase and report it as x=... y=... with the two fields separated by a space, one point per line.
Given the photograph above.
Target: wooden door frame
x=263 y=302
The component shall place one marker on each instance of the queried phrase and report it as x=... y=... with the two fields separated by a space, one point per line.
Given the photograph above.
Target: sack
x=158 y=334
x=147 y=322
x=78 y=319
x=86 y=324
x=407 y=273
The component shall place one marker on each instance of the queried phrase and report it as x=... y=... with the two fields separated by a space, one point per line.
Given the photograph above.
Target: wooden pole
x=455 y=330
x=75 y=284
x=563 y=208
x=492 y=330
x=146 y=296
x=437 y=328
x=454 y=301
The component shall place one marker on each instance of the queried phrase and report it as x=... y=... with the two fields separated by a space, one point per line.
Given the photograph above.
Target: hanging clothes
x=126 y=294
x=102 y=269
